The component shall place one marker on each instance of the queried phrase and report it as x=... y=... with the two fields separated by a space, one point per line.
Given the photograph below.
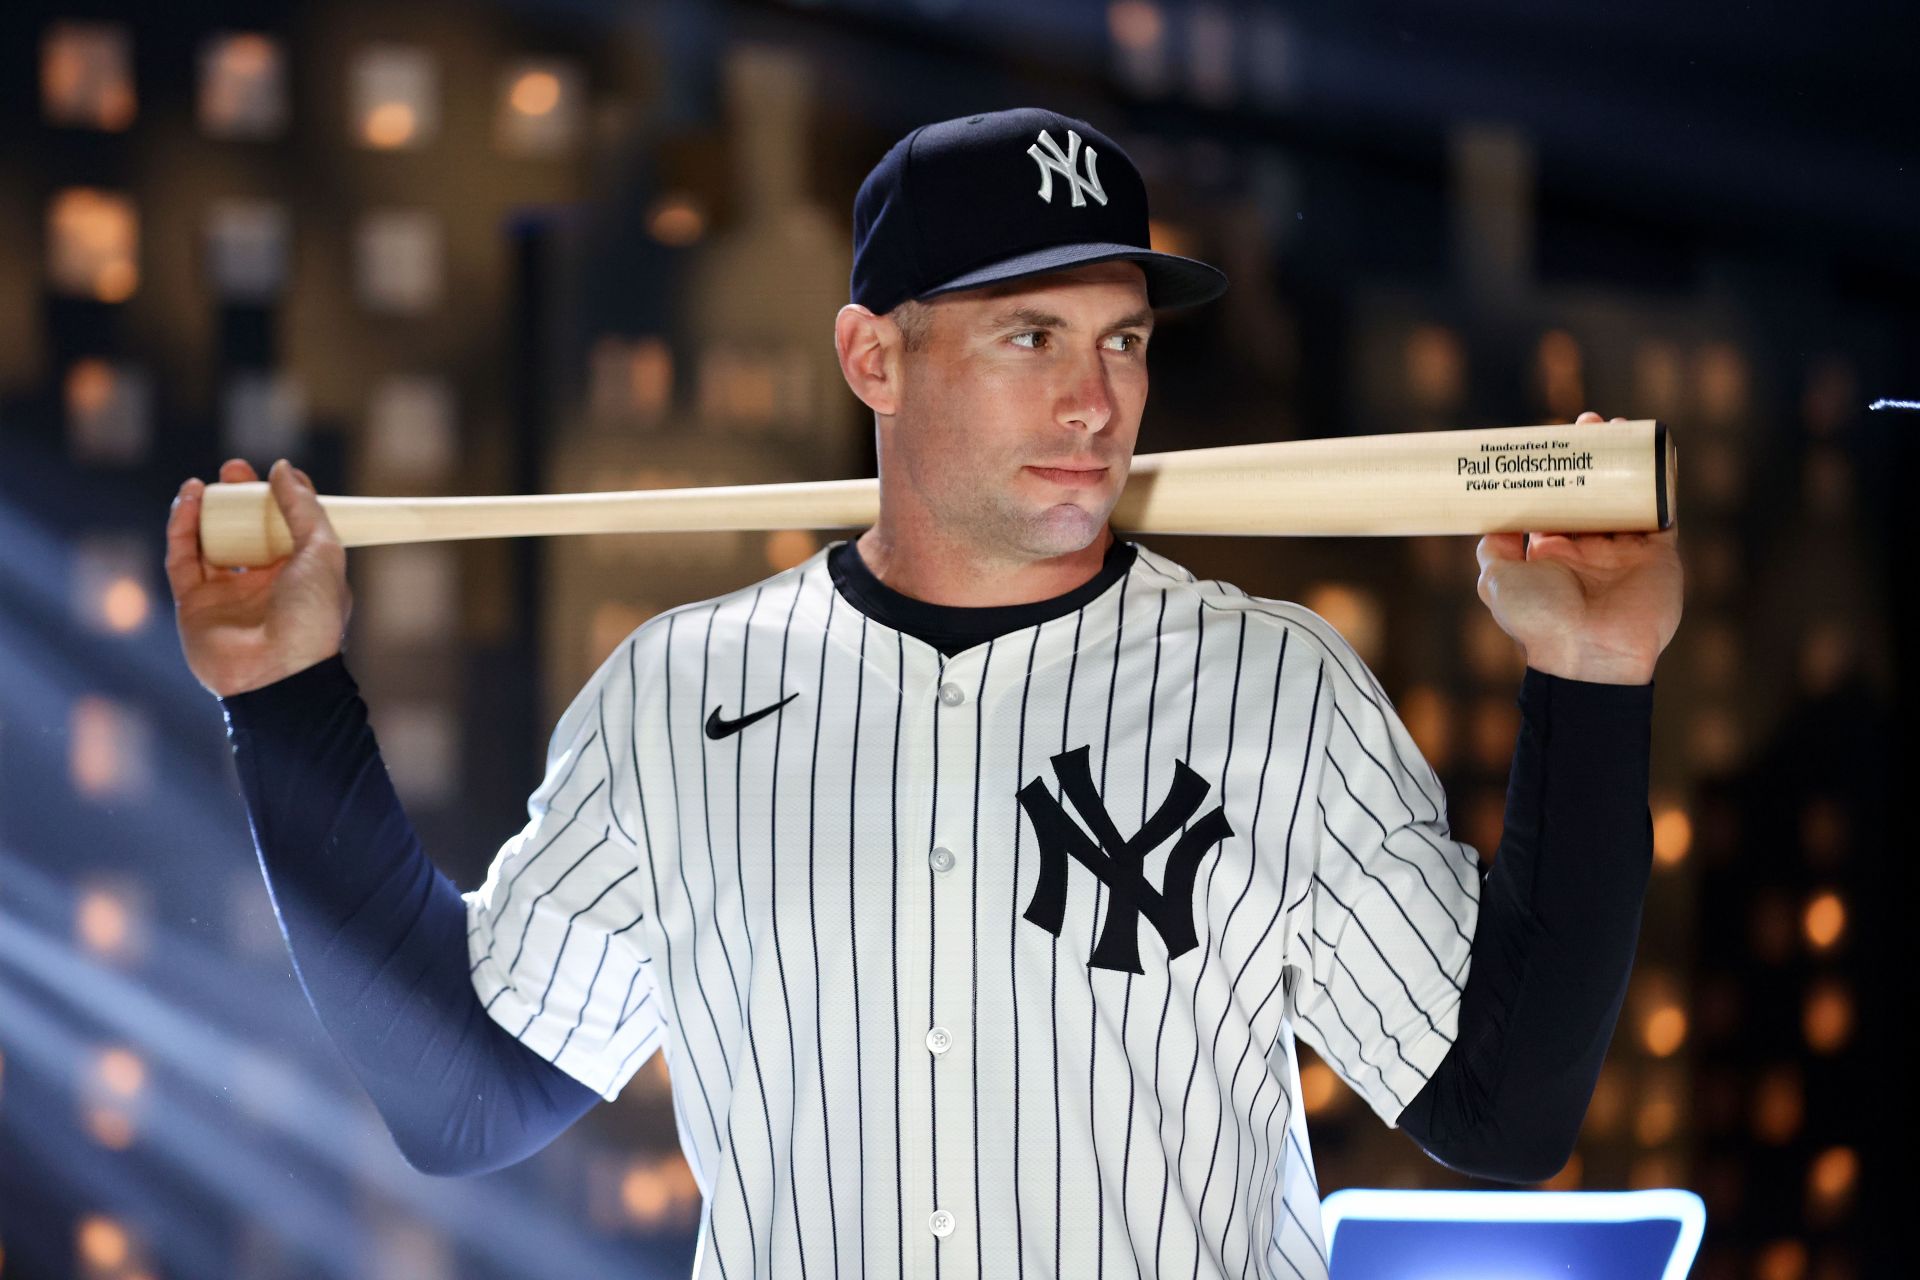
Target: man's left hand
x=1586 y=606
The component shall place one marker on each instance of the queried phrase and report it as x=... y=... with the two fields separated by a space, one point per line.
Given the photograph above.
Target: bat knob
x=241 y=524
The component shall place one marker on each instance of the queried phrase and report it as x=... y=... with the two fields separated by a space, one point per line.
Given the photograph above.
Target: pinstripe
x=1093 y=1013
x=1316 y=927
x=813 y=927
x=779 y=953
x=973 y=1035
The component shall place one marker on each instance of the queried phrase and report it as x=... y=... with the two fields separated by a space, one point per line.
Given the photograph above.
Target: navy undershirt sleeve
x=1553 y=947
x=378 y=934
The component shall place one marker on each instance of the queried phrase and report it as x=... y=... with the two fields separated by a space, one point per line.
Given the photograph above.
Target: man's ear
x=870 y=349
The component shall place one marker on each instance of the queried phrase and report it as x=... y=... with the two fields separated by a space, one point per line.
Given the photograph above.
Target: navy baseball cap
x=985 y=198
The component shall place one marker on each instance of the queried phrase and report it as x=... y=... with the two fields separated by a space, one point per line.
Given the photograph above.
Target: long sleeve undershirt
x=378 y=934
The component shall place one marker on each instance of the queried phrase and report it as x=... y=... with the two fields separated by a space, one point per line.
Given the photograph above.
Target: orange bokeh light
x=101 y=922
x=389 y=125
x=1824 y=920
x=1665 y=1030
x=122 y=1071
x=536 y=93
x=124 y=605
x=1826 y=1019
x=1672 y=836
x=101 y=1242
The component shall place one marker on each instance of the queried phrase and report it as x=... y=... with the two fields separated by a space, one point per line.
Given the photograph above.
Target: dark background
x=1435 y=216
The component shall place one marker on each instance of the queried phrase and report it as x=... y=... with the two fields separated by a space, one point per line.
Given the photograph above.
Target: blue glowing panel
x=1513 y=1235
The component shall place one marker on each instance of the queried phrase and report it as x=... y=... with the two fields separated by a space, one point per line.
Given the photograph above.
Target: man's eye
x=1131 y=341
x=1038 y=338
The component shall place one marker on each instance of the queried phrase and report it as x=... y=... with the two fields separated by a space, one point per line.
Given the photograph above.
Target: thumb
x=298 y=503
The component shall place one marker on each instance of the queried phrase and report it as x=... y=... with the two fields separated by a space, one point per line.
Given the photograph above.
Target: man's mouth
x=1071 y=476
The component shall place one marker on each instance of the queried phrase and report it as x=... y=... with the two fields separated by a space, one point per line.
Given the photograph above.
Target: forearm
x=1553 y=947
x=378 y=934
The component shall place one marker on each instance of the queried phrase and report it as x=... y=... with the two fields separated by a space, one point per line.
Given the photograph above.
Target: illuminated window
x=1354 y=612
x=109 y=413
x=1428 y=715
x=630 y=381
x=785 y=548
x=676 y=221
x=1658 y=381
x=413 y=592
x=1672 y=833
x=109 y=750
x=395 y=97
x=541 y=105
x=1779 y=1105
x=93 y=244
x=412 y=433
x=1832 y=393
x=1559 y=370
x=737 y=387
x=1493 y=729
x=1138 y=30
x=247 y=249
x=1826 y=1016
x=1492 y=655
x=421 y=744
x=266 y=415
x=659 y=1191
x=399 y=263
x=110 y=919
x=1271 y=60
x=1211 y=40
x=243 y=86
x=108 y=591
x=613 y=621
x=1436 y=367
x=103 y=1244
x=1720 y=374
x=86 y=75
x=1824 y=920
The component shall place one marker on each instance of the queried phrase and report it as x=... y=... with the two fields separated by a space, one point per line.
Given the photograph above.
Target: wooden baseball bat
x=1595 y=477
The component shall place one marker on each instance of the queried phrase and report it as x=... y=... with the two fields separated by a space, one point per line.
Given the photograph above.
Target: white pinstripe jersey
x=990 y=964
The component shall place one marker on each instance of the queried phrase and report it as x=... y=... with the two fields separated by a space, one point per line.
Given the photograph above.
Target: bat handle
x=241 y=524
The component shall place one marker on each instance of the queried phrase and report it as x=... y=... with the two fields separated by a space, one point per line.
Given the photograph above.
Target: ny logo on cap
x=1053 y=160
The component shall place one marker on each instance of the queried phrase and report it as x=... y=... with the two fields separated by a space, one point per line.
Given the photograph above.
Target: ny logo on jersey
x=1117 y=861
x=1053 y=160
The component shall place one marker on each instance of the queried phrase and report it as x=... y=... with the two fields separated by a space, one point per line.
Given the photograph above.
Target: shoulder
x=727 y=617
x=1211 y=599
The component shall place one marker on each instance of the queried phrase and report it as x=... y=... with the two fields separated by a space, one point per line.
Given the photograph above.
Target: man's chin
x=1065 y=528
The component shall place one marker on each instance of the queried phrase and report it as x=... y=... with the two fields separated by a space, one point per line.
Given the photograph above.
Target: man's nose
x=1087 y=400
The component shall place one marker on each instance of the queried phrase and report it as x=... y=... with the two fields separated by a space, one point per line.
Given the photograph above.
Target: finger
x=298 y=503
x=237 y=471
x=1496 y=547
x=185 y=567
x=1588 y=416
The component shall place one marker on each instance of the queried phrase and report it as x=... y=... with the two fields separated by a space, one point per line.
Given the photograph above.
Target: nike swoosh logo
x=718 y=726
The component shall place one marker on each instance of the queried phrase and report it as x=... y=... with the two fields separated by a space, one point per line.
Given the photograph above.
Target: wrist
x=1592 y=668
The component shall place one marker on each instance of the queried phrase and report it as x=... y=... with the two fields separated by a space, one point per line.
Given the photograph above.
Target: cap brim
x=1172 y=281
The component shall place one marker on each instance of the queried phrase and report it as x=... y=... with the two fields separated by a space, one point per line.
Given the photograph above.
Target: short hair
x=915 y=322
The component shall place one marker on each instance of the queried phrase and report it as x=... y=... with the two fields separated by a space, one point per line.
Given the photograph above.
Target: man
x=867 y=847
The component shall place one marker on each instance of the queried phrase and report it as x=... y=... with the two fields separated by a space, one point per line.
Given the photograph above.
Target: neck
x=928 y=566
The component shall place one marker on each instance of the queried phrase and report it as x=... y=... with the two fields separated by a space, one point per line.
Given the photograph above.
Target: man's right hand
x=241 y=629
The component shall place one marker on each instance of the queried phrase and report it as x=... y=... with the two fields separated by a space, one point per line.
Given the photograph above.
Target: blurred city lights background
x=491 y=248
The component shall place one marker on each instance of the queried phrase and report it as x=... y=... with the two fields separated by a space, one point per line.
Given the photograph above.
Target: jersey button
x=939 y=1040
x=941 y=1223
x=942 y=859
x=951 y=694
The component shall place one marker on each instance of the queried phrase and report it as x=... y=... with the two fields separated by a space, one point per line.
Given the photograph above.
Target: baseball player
x=978 y=875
